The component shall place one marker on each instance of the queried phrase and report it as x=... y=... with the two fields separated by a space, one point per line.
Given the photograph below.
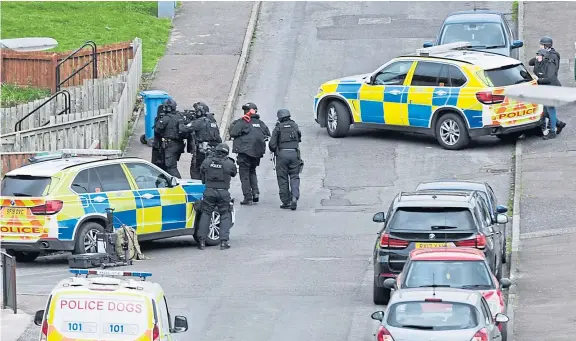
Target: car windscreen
x=24 y=186
x=480 y=35
x=506 y=75
x=455 y=274
x=432 y=315
x=432 y=219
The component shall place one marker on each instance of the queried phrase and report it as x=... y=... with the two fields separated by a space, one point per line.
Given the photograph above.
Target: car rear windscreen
x=432 y=218
x=454 y=274
x=432 y=316
x=24 y=186
x=507 y=75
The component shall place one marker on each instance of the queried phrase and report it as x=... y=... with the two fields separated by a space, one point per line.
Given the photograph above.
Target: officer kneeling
x=216 y=171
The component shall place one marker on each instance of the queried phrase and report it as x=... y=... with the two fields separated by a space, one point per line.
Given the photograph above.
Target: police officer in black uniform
x=167 y=128
x=217 y=171
x=250 y=136
x=284 y=143
x=157 y=156
x=206 y=133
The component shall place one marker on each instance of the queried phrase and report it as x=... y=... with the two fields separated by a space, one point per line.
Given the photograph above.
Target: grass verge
x=515 y=10
x=11 y=95
x=73 y=23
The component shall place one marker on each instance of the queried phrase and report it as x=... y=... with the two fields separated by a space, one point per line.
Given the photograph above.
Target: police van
x=108 y=308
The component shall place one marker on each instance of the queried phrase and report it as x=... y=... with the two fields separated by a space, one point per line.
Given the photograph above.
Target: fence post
x=52 y=73
x=9 y=298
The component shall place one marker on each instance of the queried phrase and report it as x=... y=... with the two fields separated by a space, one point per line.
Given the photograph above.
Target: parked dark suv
x=432 y=219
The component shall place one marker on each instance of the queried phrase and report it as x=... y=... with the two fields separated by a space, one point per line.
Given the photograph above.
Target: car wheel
x=337 y=119
x=213 y=237
x=451 y=132
x=143 y=139
x=23 y=256
x=380 y=296
x=86 y=238
x=512 y=137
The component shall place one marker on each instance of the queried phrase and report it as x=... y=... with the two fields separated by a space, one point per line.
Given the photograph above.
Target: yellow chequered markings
x=355 y=108
x=396 y=113
x=330 y=87
x=190 y=215
x=371 y=93
x=22 y=202
x=172 y=196
x=149 y=219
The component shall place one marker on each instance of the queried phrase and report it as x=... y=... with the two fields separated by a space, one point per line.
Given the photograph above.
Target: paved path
x=545 y=281
x=305 y=275
x=13 y=325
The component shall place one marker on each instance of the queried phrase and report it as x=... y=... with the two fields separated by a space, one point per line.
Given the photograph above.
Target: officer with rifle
x=157 y=155
x=284 y=144
x=167 y=128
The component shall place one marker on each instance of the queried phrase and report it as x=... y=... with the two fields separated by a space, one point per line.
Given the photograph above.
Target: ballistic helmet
x=248 y=106
x=170 y=105
x=546 y=41
x=283 y=113
x=201 y=108
x=222 y=148
x=543 y=52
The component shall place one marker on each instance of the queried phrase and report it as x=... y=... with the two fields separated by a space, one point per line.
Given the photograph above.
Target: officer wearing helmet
x=206 y=133
x=216 y=172
x=171 y=144
x=284 y=143
x=545 y=70
x=250 y=135
x=157 y=154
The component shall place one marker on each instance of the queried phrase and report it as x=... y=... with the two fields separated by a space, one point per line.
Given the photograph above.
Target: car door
x=490 y=324
x=161 y=208
x=428 y=86
x=118 y=194
x=384 y=101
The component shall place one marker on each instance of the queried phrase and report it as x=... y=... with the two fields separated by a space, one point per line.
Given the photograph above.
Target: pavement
x=17 y=322
x=546 y=303
x=303 y=275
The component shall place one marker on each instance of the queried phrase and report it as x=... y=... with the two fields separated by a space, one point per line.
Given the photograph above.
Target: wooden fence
x=38 y=69
x=108 y=125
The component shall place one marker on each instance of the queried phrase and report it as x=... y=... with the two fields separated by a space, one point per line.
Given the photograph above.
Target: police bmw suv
x=432 y=219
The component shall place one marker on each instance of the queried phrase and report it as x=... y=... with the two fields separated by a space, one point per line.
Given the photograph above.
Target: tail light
x=479 y=242
x=481 y=335
x=49 y=208
x=391 y=243
x=384 y=335
x=155 y=333
x=487 y=97
x=44 y=334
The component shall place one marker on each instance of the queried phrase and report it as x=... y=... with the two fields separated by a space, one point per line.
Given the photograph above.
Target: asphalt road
x=306 y=275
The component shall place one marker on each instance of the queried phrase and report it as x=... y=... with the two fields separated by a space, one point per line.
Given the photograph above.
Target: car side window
x=485 y=212
x=87 y=181
x=444 y=76
x=492 y=197
x=147 y=177
x=478 y=216
x=427 y=74
x=457 y=78
x=486 y=311
x=393 y=74
x=112 y=178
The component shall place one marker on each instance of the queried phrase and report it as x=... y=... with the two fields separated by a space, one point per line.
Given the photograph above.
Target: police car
x=108 y=308
x=59 y=203
x=448 y=91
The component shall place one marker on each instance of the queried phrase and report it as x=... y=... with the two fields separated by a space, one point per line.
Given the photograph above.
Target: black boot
x=224 y=245
x=559 y=127
x=201 y=244
x=255 y=198
x=285 y=206
x=246 y=201
x=550 y=136
x=294 y=204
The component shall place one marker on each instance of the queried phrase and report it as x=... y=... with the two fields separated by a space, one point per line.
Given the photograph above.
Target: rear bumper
x=498 y=130
x=40 y=245
x=388 y=266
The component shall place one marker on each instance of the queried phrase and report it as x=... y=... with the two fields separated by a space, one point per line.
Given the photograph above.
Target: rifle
x=273 y=159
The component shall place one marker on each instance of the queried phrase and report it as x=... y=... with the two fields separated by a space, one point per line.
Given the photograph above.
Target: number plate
x=431 y=245
x=15 y=212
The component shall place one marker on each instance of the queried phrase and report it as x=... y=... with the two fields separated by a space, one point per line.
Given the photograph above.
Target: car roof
x=453 y=185
x=449 y=253
x=434 y=199
x=446 y=294
x=482 y=59
x=479 y=16
x=51 y=167
x=127 y=285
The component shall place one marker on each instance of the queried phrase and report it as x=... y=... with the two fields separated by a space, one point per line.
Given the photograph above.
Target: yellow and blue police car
x=108 y=308
x=59 y=204
x=448 y=91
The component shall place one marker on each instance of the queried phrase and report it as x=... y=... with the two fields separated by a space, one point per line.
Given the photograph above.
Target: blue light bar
x=110 y=273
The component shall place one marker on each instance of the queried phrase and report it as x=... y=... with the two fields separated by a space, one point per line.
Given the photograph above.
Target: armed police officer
x=204 y=131
x=216 y=172
x=157 y=155
x=171 y=144
x=284 y=143
x=250 y=135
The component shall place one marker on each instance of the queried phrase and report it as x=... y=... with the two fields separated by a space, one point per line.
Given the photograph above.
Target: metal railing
x=66 y=110
x=93 y=61
x=9 y=282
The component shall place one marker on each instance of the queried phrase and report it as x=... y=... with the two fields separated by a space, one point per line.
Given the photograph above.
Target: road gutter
x=240 y=70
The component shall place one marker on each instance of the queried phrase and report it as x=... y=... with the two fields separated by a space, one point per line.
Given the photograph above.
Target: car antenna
x=433 y=284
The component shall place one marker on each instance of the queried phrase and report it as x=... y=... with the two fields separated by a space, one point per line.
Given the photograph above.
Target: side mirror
x=180 y=324
x=517 y=44
x=378 y=316
x=428 y=44
x=38 y=317
x=505 y=283
x=173 y=181
x=390 y=283
x=501 y=209
x=501 y=318
x=502 y=219
x=379 y=217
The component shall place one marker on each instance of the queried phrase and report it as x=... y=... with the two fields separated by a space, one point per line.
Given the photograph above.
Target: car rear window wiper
x=18 y=194
x=435 y=286
x=476 y=286
x=443 y=227
x=417 y=327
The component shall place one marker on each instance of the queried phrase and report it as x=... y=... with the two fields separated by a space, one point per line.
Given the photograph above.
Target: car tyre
x=451 y=132
x=337 y=119
x=380 y=296
x=23 y=256
x=511 y=137
x=86 y=236
x=213 y=236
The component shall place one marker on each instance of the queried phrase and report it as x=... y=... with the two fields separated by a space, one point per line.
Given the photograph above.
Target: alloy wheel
x=450 y=132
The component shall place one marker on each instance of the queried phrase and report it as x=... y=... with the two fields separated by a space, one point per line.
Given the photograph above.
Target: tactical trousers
x=288 y=175
x=215 y=200
x=171 y=156
x=158 y=158
x=247 y=170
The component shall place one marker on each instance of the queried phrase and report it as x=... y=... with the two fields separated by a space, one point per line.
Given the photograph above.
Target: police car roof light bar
x=427 y=51
x=87 y=272
x=92 y=152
